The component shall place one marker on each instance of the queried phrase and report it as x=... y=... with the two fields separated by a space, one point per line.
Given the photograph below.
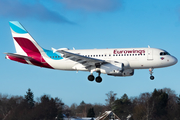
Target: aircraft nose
x=174 y=60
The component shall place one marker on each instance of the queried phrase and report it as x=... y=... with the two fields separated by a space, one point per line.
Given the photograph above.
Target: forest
x=160 y=104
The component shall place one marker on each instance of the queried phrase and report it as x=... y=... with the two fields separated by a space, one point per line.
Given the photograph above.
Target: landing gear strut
x=151 y=72
x=98 y=78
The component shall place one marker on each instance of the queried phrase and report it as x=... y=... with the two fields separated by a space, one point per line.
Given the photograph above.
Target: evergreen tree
x=91 y=113
x=122 y=107
x=159 y=100
x=30 y=98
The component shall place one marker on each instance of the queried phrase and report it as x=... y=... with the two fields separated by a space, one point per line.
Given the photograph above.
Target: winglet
x=54 y=50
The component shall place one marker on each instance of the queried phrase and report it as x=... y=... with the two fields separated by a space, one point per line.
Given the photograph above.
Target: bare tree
x=111 y=97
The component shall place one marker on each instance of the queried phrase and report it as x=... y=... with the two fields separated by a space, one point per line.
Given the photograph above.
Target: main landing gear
x=151 y=72
x=98 y=78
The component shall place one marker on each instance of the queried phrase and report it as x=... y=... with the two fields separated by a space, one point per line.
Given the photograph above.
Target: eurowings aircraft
x=114 y=62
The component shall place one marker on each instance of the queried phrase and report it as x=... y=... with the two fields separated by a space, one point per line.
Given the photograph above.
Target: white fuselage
x=133 y=58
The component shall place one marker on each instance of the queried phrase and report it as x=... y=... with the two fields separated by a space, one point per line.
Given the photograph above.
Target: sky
x=89 y=24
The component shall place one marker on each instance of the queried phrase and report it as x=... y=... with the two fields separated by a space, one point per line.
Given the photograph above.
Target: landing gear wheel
x=91 y=78
x=152 y=77
x=98 y=79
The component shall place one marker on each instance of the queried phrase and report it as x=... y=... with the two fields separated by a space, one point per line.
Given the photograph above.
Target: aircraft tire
x=91 y=78
x=152 y=77
x=98 y=79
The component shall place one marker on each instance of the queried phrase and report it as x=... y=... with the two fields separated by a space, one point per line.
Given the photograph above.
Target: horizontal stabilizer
x=18 y=56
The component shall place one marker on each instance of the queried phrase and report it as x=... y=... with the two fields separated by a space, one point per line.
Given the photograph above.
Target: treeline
x=25 y=108
x=161 y=104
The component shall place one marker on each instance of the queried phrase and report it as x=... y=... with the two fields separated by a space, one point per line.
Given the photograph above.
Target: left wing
x=80 y=58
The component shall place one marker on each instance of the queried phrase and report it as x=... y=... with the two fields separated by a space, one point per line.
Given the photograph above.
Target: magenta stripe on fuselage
x=32 y=51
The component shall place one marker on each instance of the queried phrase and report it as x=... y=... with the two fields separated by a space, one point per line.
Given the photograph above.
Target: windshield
x=164 y=53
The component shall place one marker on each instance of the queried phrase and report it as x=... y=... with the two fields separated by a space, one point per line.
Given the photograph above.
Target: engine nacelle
x=126 y=72
x=114 y=67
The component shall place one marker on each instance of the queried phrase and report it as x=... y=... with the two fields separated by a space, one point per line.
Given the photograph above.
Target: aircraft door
x=150 y=54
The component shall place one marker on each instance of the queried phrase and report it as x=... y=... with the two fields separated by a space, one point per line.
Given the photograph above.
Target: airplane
x=114 y=62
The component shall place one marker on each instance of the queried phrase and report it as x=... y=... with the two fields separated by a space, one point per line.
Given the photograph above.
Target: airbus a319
x=114 y=62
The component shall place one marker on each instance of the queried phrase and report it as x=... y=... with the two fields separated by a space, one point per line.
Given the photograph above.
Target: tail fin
x=23 y=41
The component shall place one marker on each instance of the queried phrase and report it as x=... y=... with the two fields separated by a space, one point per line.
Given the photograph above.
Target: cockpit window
x=164 y=53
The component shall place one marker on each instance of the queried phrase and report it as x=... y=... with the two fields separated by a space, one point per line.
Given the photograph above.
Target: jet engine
x=126 y=72
x=117 y=69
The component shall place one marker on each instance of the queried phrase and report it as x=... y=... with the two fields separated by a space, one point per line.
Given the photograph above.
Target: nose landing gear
x=151 y=72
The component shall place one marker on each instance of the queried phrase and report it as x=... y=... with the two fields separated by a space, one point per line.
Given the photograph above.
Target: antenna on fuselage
x=149 y=46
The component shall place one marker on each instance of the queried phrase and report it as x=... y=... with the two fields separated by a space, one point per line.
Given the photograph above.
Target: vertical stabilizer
x=23 y=41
